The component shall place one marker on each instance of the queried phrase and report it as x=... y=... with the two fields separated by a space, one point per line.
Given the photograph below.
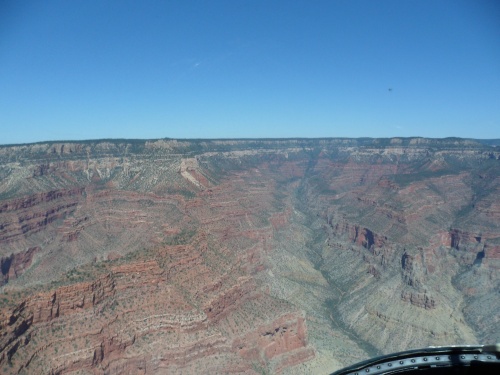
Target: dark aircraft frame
x=441 y=360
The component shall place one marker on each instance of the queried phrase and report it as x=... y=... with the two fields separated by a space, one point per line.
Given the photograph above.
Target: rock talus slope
x=244 y=256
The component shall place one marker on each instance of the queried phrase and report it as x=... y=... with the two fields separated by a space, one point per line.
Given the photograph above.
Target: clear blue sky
x=237 y=69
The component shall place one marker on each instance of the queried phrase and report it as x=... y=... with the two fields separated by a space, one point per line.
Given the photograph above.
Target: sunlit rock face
x=244 y=256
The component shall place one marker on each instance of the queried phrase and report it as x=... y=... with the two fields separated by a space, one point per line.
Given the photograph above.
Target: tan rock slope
x=244 y=256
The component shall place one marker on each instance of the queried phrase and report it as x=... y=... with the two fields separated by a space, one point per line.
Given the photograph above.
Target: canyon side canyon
x=293 y=256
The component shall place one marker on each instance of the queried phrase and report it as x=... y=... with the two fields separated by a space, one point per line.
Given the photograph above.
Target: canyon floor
x=294 y=256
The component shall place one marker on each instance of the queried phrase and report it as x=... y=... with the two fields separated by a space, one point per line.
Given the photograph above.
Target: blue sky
x=248 y=69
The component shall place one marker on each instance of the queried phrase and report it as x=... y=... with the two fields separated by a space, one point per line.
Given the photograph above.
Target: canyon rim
x=244 y=256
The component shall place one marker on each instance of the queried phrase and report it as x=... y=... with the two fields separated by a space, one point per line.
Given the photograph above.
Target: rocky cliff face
x=287 y=256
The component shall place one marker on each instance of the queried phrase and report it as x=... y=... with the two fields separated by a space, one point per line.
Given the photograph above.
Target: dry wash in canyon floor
x=244 y=256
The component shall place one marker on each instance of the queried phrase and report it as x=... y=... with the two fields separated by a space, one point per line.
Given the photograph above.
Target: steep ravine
x=384 y=304
x=307 y=205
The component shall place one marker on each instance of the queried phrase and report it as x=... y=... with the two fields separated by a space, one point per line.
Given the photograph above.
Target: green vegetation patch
x=182 y=238
x=407 y=179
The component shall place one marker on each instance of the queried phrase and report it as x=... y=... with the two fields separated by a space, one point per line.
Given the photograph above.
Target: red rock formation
x=26 y=216
x=284 y=335
x=360 y=236
x=36 y=199
x=492 y=251
x=418 y=299
x=107 y=343
x=14 y=265
x=227 y=301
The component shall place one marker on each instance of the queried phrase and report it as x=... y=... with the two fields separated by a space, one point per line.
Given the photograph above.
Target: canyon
x=292 y=256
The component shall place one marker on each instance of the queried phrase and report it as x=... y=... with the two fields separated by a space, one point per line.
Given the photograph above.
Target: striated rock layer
x=255 y=256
